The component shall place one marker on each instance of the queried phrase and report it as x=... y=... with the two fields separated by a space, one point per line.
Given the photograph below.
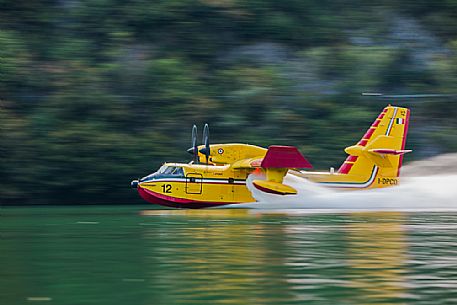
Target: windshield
x=165 y=170
x=178 y=172
x=171 y=170
x=162 y=169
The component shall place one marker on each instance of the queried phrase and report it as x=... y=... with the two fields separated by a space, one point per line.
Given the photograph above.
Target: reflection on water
x=377 y=256
x=120 y=256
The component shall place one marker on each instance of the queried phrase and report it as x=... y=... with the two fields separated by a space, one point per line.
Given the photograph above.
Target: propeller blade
x=194 y=143
x=206 y=142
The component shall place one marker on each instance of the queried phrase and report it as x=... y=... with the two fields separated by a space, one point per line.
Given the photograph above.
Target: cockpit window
x=165 y=170
x=178 y=172
x=171 y=170
x=162 y=169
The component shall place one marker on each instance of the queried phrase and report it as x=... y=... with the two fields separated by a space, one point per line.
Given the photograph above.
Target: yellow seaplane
x=218 y=172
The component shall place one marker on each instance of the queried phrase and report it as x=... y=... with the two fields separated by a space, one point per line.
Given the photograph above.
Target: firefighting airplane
x=374 y=162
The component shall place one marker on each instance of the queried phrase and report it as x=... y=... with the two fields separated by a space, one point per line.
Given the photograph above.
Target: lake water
x=118 y=255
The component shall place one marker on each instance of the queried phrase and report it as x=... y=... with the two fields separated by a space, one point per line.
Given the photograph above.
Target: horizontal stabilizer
x=274 y=187
x=380 y=160
x=386 y=151
x=284 y=157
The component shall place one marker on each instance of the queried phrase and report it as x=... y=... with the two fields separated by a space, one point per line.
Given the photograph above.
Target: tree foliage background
x=94 y=93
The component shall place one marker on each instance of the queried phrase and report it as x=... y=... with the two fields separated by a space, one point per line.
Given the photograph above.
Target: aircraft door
x=194 y=183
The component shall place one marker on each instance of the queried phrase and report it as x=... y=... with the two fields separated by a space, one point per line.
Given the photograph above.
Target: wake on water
x=414 y=193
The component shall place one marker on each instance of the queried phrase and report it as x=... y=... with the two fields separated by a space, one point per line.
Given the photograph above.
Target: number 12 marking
x=166 y=188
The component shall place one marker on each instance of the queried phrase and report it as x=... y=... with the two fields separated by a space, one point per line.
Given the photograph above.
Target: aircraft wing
x=276 y=162
x=284 y=157
x=276 y=157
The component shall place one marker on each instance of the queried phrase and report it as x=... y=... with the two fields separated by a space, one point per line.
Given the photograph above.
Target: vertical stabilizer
x=378 y=156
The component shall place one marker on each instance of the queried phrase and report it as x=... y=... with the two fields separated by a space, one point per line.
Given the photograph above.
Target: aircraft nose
x=134 y=184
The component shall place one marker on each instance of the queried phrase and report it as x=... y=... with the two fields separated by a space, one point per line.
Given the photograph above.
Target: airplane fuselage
x=195 y=185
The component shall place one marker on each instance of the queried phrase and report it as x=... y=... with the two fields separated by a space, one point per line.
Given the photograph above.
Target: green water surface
x=116 y=255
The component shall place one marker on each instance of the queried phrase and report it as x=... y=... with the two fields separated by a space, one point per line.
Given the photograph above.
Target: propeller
x=194 y=149
x=206 y=150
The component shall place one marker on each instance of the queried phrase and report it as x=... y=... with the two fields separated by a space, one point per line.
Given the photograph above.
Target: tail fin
x=380 y=151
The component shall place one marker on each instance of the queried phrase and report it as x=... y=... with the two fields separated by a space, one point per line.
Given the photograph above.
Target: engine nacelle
x=230 y=153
